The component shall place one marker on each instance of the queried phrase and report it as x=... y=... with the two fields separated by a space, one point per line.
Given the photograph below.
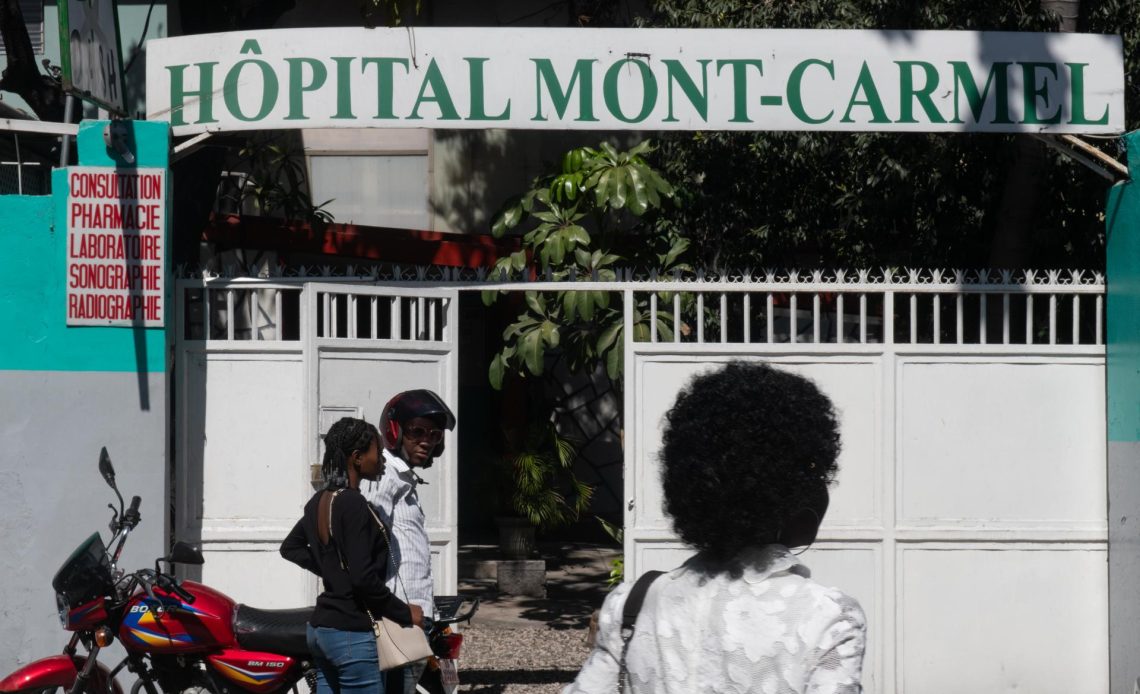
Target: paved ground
x=525 y=645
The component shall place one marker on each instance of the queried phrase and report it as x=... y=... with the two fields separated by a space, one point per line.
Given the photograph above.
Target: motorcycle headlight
x=64 y=609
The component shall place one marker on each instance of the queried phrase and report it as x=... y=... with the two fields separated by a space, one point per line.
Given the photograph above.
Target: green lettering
x=233 y=82
x=976 y=100
x=740 y=86
x=384 y=82
x=648 y=91
x=204 y=93
x=297 y=86
x=908 y=94
x=795 y=90
x=439 y=94
x=699 y=99
x=1077 y=80
x=344 y=88
x=866 y=84
x=478 y=93
x=560 y=98
x=1034 y=91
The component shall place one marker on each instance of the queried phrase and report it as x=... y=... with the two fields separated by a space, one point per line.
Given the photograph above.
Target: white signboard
x=116 y=250
x=638 y=79
x=92 y=66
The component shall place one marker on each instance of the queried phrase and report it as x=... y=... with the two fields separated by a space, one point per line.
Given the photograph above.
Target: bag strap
x=383 y=533
x=629 y=613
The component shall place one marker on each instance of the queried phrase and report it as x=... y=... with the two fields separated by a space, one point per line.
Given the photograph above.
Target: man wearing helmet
x=412 y=424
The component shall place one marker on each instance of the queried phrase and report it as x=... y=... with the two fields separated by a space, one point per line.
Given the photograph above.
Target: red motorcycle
x=179 y=635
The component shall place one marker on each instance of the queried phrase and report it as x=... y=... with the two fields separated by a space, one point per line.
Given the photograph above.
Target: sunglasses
x=418 y=433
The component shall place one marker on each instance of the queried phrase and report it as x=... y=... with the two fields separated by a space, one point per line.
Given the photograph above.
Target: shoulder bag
x=396 y=645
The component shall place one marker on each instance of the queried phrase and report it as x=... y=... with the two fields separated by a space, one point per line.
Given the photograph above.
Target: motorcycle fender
x=58 y=671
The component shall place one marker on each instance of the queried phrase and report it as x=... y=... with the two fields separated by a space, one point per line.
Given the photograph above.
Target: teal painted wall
x=32 y=304
x=1123 y=304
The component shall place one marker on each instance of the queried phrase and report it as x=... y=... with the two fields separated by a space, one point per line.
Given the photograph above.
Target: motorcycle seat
x=272 y=631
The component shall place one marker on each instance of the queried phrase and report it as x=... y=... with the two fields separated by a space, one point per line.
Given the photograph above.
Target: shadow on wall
x=476 y=171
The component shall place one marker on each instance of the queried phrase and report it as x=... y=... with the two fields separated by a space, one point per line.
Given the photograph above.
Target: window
x=34 y=17
x=373 y=177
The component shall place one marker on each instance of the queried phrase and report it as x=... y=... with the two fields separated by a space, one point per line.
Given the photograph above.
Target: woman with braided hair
x=339 y=540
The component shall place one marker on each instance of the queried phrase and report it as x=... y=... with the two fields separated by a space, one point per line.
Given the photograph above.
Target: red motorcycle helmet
x=409 y=405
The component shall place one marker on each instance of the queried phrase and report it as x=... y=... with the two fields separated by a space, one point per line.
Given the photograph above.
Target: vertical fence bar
x=653 y=317
x=1076 y=319
x=432 y=304
x=677 y=317
x=770 y=305
x=747 y=317
x=229 y=314
x=374 y=309
x=983 y=306
x=937 y=307
x=420 y=328
x=1052 y=319
x=278 y=299
x=700 y=318
x=396 y=317
x=863 y=318
x=1005 y=318
x=1099 y=336
x=793 y=317
x=254 y=318
x=207 y=318
x=350 y=300
x=913 y=318
x=1028 y=319
x=723 y=317
x=839 y=317
x=888 y=318
x=815 y=332
x=960 y=320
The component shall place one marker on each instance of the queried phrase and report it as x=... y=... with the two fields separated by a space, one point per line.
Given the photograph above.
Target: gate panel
x=969 y=515
x=263 y=368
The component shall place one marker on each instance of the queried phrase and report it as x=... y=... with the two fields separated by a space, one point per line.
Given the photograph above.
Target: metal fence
x=822 y=307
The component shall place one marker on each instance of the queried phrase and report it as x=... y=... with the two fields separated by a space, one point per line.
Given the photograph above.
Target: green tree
x=596 y=213
x=810 y=199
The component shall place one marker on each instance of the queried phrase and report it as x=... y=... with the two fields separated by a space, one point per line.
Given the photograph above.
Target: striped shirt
x=395 y=499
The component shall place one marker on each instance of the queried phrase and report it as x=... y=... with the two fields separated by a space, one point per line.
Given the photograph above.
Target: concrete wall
x=64 y=392
x=1123 y=380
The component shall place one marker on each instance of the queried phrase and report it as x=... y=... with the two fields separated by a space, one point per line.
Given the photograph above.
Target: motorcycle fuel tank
x=257 y=672
x=170 y=625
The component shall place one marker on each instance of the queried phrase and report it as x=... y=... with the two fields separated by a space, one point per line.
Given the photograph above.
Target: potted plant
x=539 y=490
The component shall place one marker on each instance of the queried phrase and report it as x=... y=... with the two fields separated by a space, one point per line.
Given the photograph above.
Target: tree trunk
x=22 y=76
x=1013 y=233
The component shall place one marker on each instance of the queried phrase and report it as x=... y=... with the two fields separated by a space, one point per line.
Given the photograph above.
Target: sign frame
x=130 y=275
x=804 y=80
x=67 y=60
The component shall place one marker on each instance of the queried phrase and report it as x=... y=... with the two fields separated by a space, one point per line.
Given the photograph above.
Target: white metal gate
x=969 y=517
x=262 y=368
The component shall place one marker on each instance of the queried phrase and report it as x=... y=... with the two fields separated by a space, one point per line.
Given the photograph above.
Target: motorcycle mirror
x=106 y=468
x=183 y=553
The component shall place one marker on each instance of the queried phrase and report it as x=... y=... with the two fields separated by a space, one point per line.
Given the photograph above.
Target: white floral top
x=771 y=630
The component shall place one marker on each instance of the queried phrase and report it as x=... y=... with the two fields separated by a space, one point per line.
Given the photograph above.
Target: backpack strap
x=629 y=613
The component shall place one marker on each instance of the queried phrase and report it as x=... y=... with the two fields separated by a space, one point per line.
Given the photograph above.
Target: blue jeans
x=346 y=661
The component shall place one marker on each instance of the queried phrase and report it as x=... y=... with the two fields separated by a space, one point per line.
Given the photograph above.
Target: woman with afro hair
x=748 y=453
